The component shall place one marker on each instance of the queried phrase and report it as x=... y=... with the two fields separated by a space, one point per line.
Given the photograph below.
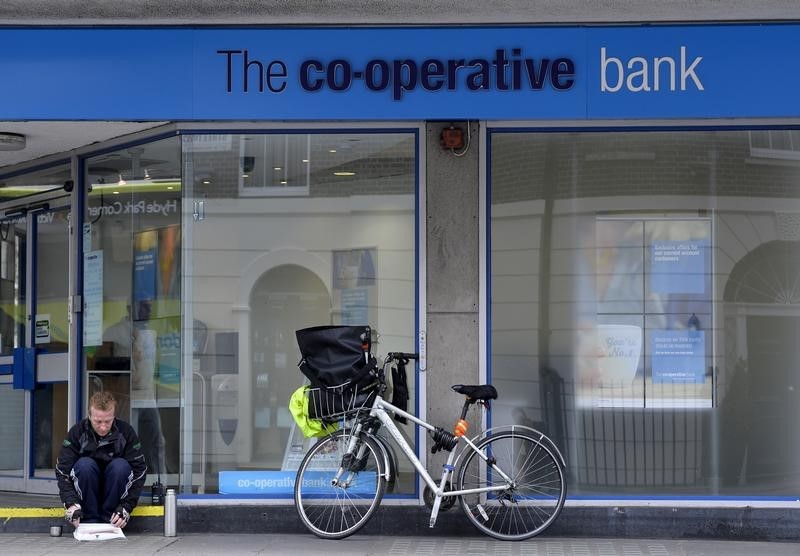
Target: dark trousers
x=100 y=487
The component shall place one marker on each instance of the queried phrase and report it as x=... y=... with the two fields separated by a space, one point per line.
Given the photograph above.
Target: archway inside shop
x=283 y=300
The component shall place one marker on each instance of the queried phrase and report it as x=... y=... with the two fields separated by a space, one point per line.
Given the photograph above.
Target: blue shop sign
x=317 y=483
x=543 y=73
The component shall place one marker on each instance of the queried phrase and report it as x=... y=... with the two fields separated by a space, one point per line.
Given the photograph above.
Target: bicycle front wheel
x=533 y=496
x=336 y=493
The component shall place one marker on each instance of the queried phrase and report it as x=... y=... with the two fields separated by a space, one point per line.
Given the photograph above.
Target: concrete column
x=452 y=267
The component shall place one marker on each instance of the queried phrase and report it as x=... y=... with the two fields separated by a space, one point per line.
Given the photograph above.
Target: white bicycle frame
x=381 y=409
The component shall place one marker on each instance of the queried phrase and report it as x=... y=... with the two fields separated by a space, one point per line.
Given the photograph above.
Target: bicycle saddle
x=476 y=391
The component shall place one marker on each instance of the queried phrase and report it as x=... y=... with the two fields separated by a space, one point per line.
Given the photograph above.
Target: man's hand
x=120 y=517
x=73 y=514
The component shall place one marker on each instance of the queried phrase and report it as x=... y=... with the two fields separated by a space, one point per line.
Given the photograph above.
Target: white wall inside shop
x=241 y=240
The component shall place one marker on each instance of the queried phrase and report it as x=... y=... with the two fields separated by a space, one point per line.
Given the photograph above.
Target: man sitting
x=101 y=468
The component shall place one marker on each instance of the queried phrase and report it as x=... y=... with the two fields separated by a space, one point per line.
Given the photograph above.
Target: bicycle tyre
x=334 y=511
x=536 y=498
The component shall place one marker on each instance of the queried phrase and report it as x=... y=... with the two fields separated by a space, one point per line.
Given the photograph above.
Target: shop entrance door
x=34 y=341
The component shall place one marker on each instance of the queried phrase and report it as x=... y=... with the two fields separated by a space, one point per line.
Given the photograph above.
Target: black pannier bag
x=400 y=389
x=338 y=363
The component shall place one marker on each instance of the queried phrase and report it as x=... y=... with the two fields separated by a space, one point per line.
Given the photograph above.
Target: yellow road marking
x=5 y=513
x=156 y=511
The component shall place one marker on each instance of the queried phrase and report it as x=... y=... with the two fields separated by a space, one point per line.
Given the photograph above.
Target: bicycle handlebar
x=398 y=355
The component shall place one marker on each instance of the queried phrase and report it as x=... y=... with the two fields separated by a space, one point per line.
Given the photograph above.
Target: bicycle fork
x=355 y=453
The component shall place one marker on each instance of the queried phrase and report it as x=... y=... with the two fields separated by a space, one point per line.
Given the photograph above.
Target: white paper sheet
x=97 y=532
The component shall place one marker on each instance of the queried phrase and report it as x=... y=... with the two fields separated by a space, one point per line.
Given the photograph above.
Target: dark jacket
x=121 y=442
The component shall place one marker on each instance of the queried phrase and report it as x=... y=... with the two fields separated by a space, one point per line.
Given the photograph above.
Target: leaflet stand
x=296 y=448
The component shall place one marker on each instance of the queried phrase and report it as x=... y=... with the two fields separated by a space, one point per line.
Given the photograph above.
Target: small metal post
x=170 y=513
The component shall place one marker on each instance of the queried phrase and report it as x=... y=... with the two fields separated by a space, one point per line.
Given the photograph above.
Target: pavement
x=234 y=544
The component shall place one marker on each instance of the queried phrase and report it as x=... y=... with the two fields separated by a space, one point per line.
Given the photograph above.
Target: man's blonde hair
x=102 y=401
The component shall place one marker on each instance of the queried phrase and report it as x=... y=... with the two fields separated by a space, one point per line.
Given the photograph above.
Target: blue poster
x=355 y=306
x=679 y=356
x=169 y=352
x=144 y=282
x=678 y=266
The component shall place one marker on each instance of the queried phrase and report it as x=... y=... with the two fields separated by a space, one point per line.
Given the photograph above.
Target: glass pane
x=781 y=140
x=34 y=182
x=51 y=332
x=795 y=140
x=13 y=269
x=119 y=384
x=153 y=423
x=132 y=291
x=49 y=418
x=290 y=230
x=760 y=140
x=12 y=417
x=619 y=266
x=275 y=164
x=645 y=307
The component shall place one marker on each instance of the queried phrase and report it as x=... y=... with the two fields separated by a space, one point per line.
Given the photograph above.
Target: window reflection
x=642 y=315
x=12 y=408
x=39 y=181
x=13 y=245
x=132 y=293
x=289 y=230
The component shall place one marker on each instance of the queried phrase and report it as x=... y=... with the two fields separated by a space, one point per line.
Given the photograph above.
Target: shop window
x=13 y=245
x=132 y=293
x=321 y=231
x=625 y=241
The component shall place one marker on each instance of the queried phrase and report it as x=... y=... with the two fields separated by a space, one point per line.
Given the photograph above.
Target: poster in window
x=639 y=342
x=355 y=306
x=145 y=249
x=353 y=268
x=156 y=366
x=93 y=298
x=156 y=273
x=678 y=266
x=678 y=356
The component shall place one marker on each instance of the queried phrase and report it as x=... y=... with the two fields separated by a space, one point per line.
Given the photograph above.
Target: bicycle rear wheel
x=335 y=493
x=531 y=502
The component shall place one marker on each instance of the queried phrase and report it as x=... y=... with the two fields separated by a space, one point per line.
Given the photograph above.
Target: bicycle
x=510 y=480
